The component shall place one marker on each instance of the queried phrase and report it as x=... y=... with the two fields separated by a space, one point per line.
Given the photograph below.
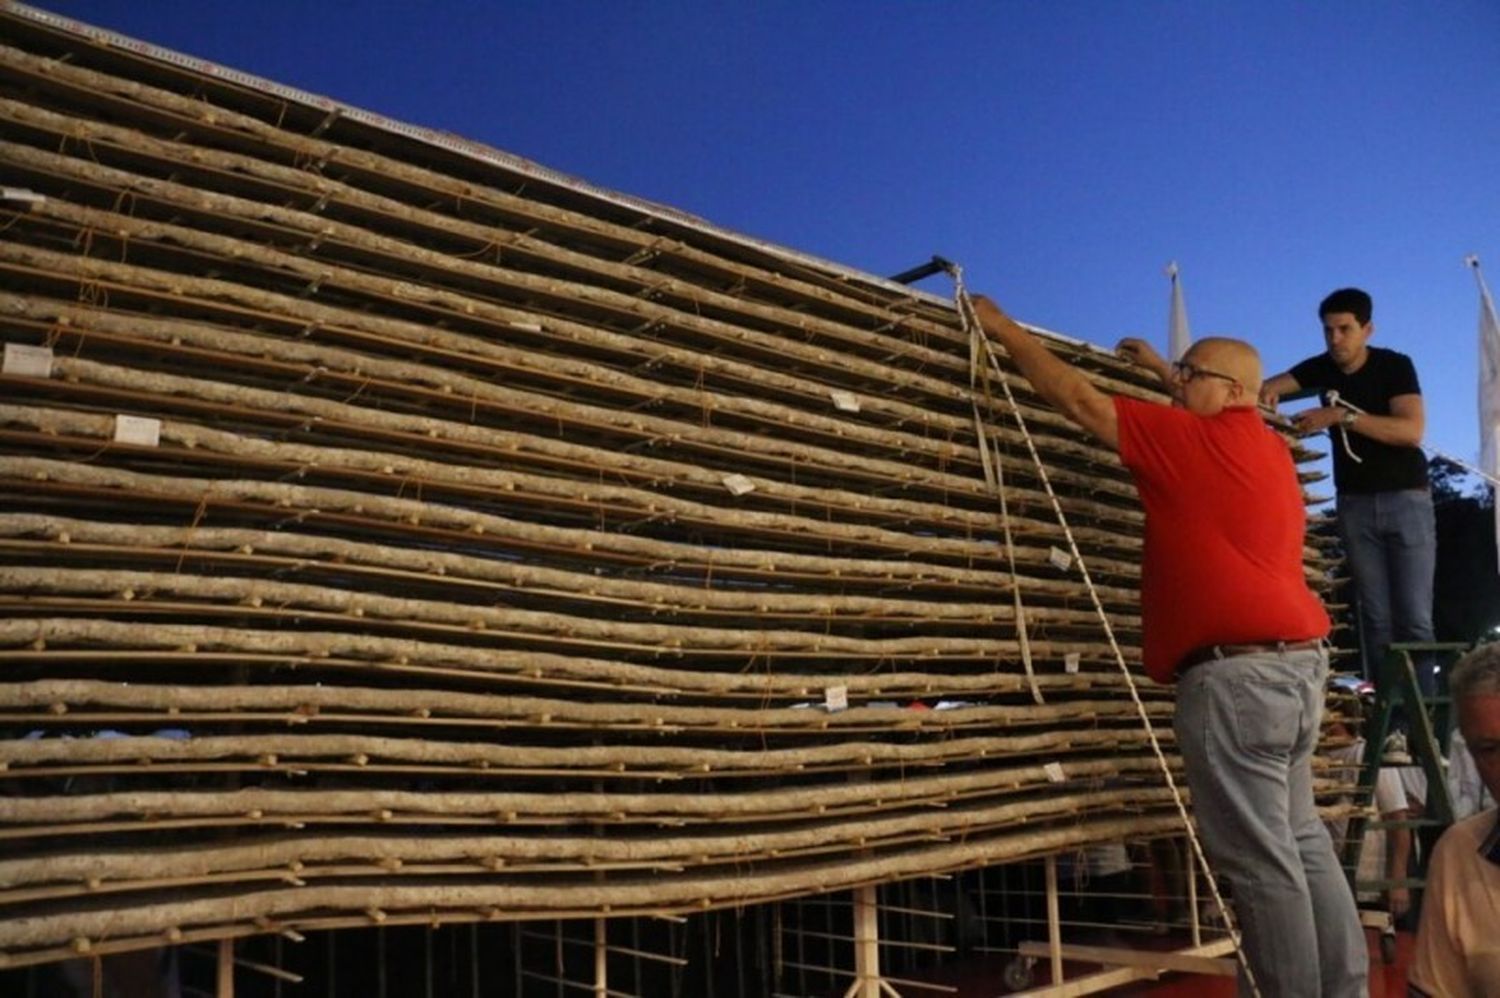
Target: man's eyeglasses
x=1185 y=372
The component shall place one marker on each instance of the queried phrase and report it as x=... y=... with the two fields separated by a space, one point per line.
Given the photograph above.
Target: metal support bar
x=934 y=266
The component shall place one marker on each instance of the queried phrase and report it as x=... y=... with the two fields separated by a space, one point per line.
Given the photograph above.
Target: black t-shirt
x=1384 y=375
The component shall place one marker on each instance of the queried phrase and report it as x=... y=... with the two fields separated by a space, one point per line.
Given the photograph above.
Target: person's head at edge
x=1347 y=316
x=1215 y=374
x=1475 y=686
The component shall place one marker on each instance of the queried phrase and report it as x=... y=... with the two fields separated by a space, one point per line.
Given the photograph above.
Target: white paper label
x=1060 y=558
x=21 y=194
x=1054 y=772
x=836 y=698
x=28 y=361
x=845 y=401
x=1071 y=660
x=141 y=430
x=738 y=484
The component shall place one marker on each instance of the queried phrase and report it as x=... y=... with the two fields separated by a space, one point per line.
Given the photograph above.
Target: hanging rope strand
x=994 y=476
x=970 y=320
x=1335 y=399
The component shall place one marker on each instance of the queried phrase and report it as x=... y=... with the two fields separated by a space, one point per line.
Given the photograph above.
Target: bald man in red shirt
x=1227 y=615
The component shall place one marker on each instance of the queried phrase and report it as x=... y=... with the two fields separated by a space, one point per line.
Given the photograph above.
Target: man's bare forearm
x=1400 y=431
x=1061 y=384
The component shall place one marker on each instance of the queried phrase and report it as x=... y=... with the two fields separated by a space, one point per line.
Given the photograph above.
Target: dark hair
x=1350 y=712
x=1348 y=300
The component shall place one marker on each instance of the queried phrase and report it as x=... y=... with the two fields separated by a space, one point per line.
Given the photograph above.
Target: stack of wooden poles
x=392 y=531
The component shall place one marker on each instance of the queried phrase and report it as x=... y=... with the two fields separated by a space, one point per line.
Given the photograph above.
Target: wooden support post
x=226 y=969
x=1054 y=923
x=868 y=980
x=601 y=959
x=866 y=945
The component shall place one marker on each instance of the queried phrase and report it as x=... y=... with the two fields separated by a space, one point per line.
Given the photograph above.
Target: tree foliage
x=1466 y=593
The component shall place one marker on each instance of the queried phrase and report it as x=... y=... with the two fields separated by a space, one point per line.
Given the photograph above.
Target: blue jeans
x=1246 y=727
x=1391 y=541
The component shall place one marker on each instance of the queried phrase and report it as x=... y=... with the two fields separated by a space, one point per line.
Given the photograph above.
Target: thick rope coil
x=970 y=320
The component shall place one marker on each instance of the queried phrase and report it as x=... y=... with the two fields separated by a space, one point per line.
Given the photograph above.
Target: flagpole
x=1489 y=385
x=1178 y=337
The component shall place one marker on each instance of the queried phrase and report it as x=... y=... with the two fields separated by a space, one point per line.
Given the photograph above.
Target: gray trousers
x=1246 y=727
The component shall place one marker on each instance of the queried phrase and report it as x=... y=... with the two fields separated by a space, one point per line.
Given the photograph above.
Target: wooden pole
x=601 y=959
x=866 y=944
x=1054 y=926
x=226 y=969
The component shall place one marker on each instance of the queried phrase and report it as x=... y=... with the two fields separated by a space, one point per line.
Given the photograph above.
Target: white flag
x=1178 y=336
x=1489 y=385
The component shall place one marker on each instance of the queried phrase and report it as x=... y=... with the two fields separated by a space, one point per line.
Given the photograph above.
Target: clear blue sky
x=1064 y=152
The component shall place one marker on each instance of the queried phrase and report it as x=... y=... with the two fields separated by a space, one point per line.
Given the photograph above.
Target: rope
x=1335 y=399
x=994 y=476
x=970 y=320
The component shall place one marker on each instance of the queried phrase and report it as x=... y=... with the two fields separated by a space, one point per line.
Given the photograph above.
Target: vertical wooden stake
x=866 y=944
x=1054 y=925
x=226 y=968
x=601 y=960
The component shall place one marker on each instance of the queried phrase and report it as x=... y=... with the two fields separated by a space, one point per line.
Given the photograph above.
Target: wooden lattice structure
x=399 y=532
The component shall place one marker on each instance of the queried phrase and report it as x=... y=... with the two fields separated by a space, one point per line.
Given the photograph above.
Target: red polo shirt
x=1224 y=531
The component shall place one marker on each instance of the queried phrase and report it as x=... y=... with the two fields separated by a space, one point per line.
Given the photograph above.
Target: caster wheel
x=1018 y=973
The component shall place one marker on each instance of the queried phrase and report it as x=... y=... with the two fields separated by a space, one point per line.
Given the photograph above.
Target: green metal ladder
x=1429 y=723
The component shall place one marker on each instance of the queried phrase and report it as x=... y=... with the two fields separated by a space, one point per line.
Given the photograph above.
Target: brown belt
x=1210 y=652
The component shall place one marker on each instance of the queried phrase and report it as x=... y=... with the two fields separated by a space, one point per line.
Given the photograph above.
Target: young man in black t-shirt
x=1384 y=507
